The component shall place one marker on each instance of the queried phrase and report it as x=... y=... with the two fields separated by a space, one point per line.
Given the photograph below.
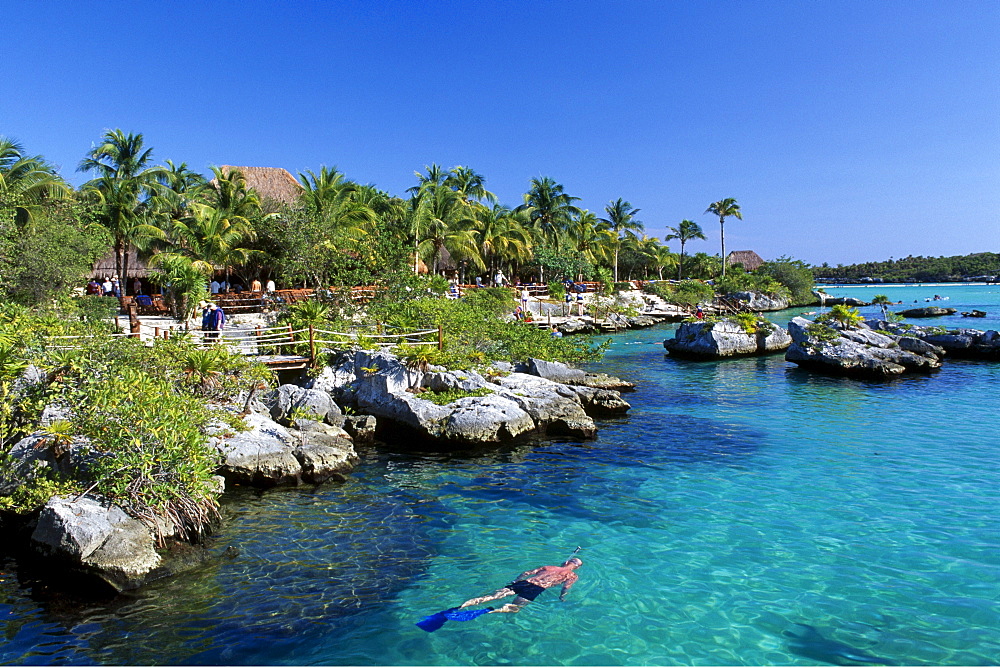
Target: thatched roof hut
x=749 y=259
x=273 y=183
x=105 y=265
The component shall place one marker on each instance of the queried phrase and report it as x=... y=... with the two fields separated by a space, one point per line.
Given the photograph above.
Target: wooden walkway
x=280 y=348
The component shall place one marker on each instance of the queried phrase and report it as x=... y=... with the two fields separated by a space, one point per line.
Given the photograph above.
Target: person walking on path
x=528 y=585
x=525 y=298
x=499 y=280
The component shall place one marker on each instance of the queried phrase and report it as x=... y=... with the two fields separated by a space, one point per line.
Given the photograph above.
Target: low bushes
x=138 y=416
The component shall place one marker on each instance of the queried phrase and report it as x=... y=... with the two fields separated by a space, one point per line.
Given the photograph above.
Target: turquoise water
x=740 y=505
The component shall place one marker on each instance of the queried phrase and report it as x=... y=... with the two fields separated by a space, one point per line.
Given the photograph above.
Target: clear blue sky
x=847 y=131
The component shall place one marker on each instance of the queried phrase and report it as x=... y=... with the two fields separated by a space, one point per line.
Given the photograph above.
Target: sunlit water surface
x=745 y=512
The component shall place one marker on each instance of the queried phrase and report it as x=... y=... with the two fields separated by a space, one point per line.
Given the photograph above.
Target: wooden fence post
x=156 y=332
x=440 y=337
x=312 y=345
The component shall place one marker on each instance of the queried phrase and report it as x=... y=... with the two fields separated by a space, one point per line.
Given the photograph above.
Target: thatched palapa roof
x=105 y=266
x=749 y=259
x=272 y=183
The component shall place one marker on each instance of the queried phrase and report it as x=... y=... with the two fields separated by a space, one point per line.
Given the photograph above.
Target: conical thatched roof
x=272 y=183
x=749 y=259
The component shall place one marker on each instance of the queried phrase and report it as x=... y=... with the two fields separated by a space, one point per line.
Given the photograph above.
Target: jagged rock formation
x=958 y=342
x=514 y=404
x=726 y=338
x=758 y=301
x=858 y=351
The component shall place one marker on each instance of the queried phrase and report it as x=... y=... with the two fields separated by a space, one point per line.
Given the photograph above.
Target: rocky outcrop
x=860 y=351
x=829 y=300
x=97 y=539
x=288 y=401
x=927 y=312
x=562 y=373
x=513 y=403
x=726 y=338
x=958 y=342
x=758 y=301
x=270 y=454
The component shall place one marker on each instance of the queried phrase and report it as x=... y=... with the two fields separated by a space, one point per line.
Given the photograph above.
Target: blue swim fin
x=433 y=622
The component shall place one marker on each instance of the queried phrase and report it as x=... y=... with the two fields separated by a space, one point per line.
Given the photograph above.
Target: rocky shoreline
x=301 y=435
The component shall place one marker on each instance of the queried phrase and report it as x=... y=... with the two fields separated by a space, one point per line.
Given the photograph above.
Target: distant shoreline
x=896 y=285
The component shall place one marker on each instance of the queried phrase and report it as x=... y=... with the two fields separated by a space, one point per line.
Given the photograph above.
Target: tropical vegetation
x=185 y=228
x=915 y=269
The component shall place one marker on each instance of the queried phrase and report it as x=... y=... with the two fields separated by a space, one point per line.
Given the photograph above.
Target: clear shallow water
x=739 y=505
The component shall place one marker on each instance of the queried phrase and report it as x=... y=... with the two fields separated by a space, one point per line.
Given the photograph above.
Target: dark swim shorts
x=525 y=589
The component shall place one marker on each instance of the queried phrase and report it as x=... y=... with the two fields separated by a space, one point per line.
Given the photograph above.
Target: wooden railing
x=277 y=341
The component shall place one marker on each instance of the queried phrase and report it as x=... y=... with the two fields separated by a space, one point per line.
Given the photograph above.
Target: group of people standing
x=111 y=287
x=222 y=286
x=213 y=320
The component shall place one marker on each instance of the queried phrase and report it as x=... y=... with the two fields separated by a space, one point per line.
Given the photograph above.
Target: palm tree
x=883 y=303
x=621 y=220
x=436 y=176
x=232 y=195
x=26 y=182
x=685 y=232
x=591 y=237
x=703 y=265
x=470 y=183
x=342 y=203
x=724 y=208
x=503 y=236
x=180 y=187
x=549 y=208
x=209 y=237
x=322 y=191
x=662 y=259
x=442 y=218
x=125 y=183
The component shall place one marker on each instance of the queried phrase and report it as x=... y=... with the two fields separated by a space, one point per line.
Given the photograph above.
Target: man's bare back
x=530 y=584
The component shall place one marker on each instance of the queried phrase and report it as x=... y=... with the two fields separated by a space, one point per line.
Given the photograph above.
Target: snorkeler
x=528 y=585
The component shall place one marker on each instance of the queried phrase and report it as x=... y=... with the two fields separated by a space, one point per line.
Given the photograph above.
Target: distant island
x=977 y=267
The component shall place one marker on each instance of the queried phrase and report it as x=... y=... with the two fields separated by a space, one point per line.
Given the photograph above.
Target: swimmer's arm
x=566 y=587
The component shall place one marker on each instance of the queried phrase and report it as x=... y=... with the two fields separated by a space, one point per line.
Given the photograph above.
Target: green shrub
x=477 y=330
x=446 y=397
x=822 y=332
x=748 y=321
x=795 y=275
x=686 y=292
x=845 y=315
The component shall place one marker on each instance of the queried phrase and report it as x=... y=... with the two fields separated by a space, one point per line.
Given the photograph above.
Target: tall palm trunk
x=722 y=236
x=680 y=264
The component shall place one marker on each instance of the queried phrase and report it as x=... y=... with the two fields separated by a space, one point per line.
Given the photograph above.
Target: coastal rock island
x=961 y=342
x=727 y=338
x=858 y=350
